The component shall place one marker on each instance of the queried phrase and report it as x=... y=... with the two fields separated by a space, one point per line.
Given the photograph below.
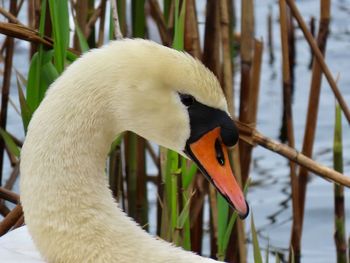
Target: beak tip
x=244 y=215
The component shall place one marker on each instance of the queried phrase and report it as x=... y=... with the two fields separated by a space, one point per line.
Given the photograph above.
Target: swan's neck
x=68 y=207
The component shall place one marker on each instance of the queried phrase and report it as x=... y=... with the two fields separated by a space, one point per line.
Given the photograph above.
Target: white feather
x=126 y=85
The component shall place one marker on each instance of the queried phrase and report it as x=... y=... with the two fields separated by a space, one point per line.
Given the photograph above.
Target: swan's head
x=175 y=101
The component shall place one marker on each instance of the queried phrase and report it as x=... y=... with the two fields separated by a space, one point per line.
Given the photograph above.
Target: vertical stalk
x=191 y=39
x=138 y=18
x=210 y=59
x=291 y=58
x=90 y=11
x=312 y=31
x=116 y=170
x=6 y=88
x=131 y=173
x=135 y=145
x=270 y=36
x=247 y=46
x=287 y=101
x=339 y=206
x=311 y=119
x=101 y=30
x=81 y=10
x=212 y=38
x=121 y=4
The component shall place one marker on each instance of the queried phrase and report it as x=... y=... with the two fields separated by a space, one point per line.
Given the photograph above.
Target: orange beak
x=211 y=156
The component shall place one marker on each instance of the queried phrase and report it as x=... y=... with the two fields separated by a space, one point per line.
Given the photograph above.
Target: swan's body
x=126 y=85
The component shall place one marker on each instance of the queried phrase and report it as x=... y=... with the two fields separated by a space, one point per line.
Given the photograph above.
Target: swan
x=163 y=95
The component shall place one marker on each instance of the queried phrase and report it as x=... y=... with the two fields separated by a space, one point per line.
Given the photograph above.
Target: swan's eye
x=186 y=99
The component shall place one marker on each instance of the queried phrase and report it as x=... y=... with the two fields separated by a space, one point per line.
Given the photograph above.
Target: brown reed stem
x=287 y=101
x=158 y=17
x=81 y=13
x=191 y=38
x=211 y=51
x=9 y=16
x=101 y=30
x=9 y=195
x=312 y=31
x=141 y=198
x=227 y=67
x=312 y=113
x=319 y=57
x=247 y=47
x=255 y=82
x=6 y=88
x=13 y=177
x=28 y=34
x=19 y=223
x=253 y=137
x=10 y=220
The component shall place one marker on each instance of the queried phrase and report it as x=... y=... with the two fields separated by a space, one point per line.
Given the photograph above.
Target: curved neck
x=70 y=212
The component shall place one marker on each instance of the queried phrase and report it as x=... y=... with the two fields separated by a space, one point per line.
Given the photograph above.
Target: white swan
x=161 y=94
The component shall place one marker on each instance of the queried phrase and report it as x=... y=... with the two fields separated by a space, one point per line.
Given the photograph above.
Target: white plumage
x=69 y=211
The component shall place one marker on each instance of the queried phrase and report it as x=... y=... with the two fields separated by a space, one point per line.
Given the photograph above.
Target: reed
x=320 y=59
x=287 y=107
x=6 y=88
x=270 y=36
x=311 y=121
x=339 y=201
x=247 y=47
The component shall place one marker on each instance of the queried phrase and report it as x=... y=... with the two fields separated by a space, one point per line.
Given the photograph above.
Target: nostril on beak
x=219 y=153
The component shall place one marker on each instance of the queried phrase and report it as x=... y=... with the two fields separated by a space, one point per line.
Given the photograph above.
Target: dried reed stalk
x=6 y=88
x=101 y=30
x=320 y=59
x=311 y=119
x=141 y=184
x=13 y=177
x=9 y=16
x=81 y=14
x=19 y=223
x=10 y=220
x=247 y=47
x=9 y=195
x=287 y=101
x=28 y=34
x=227 y=67
x=191 y=38
x=211 y=51
x=158 y=17
x=253 y=137
x=255 y=82
x=312 y=31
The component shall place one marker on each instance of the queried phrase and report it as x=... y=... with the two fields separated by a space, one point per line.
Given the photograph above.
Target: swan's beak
x=211 y=156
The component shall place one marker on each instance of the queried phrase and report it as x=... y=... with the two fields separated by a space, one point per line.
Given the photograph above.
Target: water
x=270 y=200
